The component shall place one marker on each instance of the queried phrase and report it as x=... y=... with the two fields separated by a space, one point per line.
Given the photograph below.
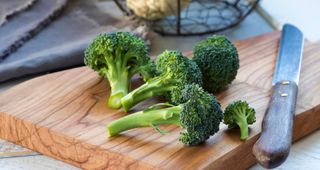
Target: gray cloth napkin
x=26 y=24
x=9 y=8
x=67 y=55
x=60 y=45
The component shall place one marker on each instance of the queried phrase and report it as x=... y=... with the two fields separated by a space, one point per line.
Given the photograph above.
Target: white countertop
x=304 y=14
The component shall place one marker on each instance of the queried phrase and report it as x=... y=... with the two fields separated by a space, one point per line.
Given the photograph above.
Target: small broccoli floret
x=175 y=71
x=218 y=60
x=117 y=57
x=199 y=116
x=239 y=114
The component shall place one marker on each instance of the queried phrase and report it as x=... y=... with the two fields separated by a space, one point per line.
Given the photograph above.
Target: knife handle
x=273 y=146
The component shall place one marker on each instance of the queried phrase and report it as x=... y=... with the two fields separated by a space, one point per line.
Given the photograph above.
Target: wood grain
x=63 y=115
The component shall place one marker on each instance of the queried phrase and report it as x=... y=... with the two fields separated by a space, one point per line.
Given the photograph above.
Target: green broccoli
x=199 y=116
x=117 y=57
x=175 y=71
x=218 y=60
x=239 y=114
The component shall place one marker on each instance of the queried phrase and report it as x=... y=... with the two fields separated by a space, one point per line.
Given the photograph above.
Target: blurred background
x=42 y=36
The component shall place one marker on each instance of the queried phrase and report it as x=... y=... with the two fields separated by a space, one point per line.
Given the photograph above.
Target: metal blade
x=290 y=55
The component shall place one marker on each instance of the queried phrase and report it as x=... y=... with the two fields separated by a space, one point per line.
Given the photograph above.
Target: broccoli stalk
x=149 y=117
x=239 y=114
x=118 y=81
x=117 y=57
x=241 y=120
x=154 y=87
x=199 y=116
x=175 y=71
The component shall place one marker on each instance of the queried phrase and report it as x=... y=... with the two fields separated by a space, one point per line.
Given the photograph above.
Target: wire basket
x=199 y=17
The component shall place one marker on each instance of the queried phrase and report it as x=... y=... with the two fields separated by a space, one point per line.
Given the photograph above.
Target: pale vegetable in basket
x=156 y=9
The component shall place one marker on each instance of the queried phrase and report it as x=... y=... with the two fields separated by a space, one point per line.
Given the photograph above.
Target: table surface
x=305 y=154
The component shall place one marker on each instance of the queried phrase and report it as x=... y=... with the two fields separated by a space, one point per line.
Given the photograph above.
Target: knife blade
x=290 y=55
x=273 y=146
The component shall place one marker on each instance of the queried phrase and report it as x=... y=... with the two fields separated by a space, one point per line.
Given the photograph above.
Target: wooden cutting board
x=64 y=114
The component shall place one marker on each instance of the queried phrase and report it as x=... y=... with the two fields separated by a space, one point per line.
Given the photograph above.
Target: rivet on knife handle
x=273 y=146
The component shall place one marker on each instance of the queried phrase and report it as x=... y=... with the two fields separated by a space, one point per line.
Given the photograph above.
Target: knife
x=273 y=146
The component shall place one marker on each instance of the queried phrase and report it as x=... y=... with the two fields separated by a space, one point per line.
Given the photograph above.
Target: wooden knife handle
x=273 y=146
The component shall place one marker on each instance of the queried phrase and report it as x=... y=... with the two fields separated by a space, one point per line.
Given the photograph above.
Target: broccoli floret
x=239 y=114
x=218 y=60
x=117 y=57
x=175 y=71
x=199 y=116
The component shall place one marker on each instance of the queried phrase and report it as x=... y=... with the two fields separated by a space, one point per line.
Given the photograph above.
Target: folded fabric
x=60 y=45
x=59 y=57
x=12 y=7
x=25 y=25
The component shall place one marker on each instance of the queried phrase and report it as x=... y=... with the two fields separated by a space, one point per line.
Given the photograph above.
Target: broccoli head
x=199 y=116
x=239 y=114
x=117 y=57
x=174 y=72
x=218 y=60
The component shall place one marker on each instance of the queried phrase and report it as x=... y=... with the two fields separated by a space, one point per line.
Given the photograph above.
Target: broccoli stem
x=119 y=88
x=243 y=129
x=119 y=83
x=149 y=117
x=243 y=124
x=153 y=87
